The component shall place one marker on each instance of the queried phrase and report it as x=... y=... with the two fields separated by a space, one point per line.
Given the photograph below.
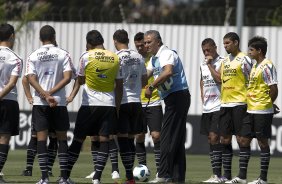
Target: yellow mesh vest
x=233 y=86
x=258 y=91
x=155 y=94
x=101 y=70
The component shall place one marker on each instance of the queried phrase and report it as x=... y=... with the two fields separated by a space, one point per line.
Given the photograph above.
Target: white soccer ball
x=141 y=173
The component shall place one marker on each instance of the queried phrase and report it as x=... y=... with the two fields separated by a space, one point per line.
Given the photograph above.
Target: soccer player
x=32 y=146
x=235 y=71
x=130 y=113
x=10 y=70
x=261 y=94
x=170 y=80
x=49 y=70
x=210 y=94
x=152 y=111
x=102 y=91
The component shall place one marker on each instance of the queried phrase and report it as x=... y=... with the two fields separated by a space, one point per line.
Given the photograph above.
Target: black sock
x=42 y=158
x=227 y=154
x=264 y=162
x=211 y=157
x=4 y=149
x=52 y=152
x=63 y=158
x=73 y=154
x=217 y=159
x=244 y=157
x=31 y=153
x=113 y=150
x=101 y=159
x=126 y=156
x=157 y=151
x=141 y=153
x=95 y=145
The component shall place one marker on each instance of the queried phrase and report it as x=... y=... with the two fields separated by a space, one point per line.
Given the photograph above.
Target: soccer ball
x=141 y=173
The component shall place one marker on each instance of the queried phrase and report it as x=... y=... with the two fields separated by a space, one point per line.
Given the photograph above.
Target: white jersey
x=92 y=97
x=10 y=64
x=211 y=89
x=49 y=63
x=132 y=67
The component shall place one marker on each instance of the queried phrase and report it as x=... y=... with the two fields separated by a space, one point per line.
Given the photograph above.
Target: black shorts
x=46 y=118
x=95 y=120
x=210 y=123
x=234 y=121
x=130 y=118
x=260 y=125
x=9 y=117
x=152 y=117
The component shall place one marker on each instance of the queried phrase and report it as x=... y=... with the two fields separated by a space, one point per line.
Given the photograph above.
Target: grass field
x=198 y=169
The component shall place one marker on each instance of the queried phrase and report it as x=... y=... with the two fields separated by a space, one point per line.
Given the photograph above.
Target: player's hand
x=69 y=100
x=30 y=100
x=51 y=101
x=276 y=109
x=148 y=93
x=208 y=59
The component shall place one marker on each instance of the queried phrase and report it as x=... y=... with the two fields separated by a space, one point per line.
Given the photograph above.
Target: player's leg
x=113 y=152
x=95 y=145
x=52 y=151
x=30 y=154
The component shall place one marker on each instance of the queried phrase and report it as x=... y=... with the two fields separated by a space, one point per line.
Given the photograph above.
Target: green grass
x=198 y=169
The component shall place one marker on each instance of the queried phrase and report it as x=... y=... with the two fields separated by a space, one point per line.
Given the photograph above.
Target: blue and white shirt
x=178 y=80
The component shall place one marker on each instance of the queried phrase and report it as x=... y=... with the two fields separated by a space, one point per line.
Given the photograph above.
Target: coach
x=166 y=67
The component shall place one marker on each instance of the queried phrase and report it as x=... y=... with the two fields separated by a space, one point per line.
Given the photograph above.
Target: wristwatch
x=151 y=88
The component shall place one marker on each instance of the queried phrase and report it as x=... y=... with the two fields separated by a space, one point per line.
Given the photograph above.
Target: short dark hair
x=121 y=36
x=6 y=30
x=94 y=38
x=232 y=36
x=258 y=42
x=208 y=41
x=47 y=33
x=139 y=36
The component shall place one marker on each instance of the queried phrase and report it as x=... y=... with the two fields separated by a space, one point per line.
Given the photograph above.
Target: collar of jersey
x=48 y=45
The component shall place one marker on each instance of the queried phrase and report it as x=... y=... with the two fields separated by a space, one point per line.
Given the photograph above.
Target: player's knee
x=155 y=136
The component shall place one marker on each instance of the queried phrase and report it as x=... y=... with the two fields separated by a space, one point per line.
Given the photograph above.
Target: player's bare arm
x=74 y=92
x=215 y=74
x=66 y=79
x=273 y=93
x=26 y=88
x=11 y=84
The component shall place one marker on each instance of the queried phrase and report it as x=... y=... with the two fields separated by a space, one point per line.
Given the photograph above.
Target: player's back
x=133 y=67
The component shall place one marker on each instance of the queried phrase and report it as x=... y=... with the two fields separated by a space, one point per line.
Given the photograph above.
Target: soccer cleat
x=65 y=181
x=160 y=180
x=213 y=179
x=237 y=180
x=50 y=174
x=96 y=181
x=45 y=181
x=1 y=173
x=132 y=181
x=27 y=172
x=115 y=175
x=258 y=181
x=91 y=175
x=223 y=179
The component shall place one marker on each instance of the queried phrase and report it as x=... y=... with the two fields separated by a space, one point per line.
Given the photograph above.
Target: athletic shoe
x=115 y=175
x=160 y=180
x=223 y=179
x=96 y=181
x=27 y=172
x=50 y=174
x=213 y=179
x=2 y=180
x=132 y=181
x=61 y=180
x=45 y=181
x=91 y=175
x=237 y=180
x=258 y=181
x=1 y=173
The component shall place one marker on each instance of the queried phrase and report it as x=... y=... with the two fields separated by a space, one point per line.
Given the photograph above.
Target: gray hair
x=156 y=35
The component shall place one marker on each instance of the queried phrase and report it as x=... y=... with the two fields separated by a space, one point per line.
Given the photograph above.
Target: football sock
x=42 y=158
x=113 y=150
x=141 y=153
x=63 y=158
x=73 y=154
x=126 y=156
x=157 y=152
x=52 y=152
x=244 y=157
x=101 y=159
x=264 y=162
x=227 y=154
x=95 y=145
x=31 y=153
